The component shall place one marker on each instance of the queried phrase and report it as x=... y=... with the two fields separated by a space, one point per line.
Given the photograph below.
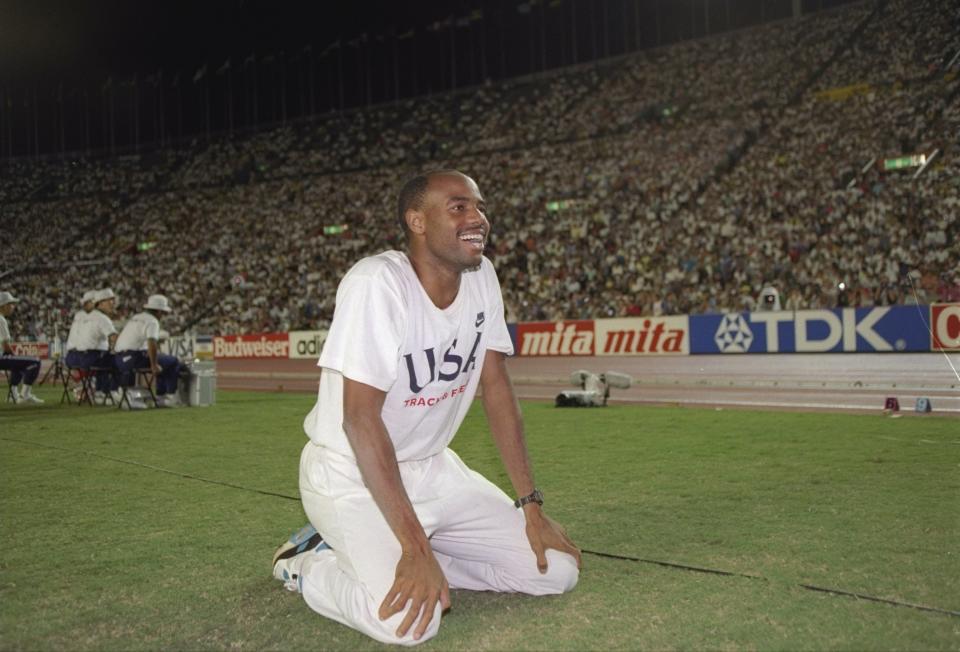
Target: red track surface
x=846 y=382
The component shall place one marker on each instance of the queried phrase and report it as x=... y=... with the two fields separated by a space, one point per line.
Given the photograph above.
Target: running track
x=829 y=382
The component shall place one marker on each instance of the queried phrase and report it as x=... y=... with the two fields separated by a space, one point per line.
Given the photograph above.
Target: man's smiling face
x=456 y=226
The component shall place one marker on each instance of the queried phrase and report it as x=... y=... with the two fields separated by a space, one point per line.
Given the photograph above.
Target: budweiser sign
x=643 y=336
x=555 y=338
x=266 y=345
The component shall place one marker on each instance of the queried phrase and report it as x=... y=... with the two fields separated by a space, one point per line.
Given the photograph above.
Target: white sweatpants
x=476 y=533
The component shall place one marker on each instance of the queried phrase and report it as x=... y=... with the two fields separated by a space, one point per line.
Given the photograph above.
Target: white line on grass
x=723 y=401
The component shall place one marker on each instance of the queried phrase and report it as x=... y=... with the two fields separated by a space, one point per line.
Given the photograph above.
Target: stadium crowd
x=680 y=180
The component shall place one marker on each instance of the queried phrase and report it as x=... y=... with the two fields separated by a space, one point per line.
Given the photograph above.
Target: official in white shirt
x=137 y=348
x=73 y=358
x=95 y=339
x=23 y=369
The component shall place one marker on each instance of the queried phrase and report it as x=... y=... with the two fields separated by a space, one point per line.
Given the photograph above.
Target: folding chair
x=146 y=376
x=83 y=377
x=71 y=377
x=94 y=371
x=142 y=375
x=64 y=374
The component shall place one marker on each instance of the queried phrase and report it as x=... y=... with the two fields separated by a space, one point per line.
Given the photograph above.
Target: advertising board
x=642 y=336
x=262 y=345
x=945 y=326
x=306 y=344
x=886 y=328
x=562 y=338
x=31 y=349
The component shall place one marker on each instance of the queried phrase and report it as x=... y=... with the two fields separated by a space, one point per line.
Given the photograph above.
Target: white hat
x=89 y=295
x=6 y=297
x=103 y=295
x=157 y=302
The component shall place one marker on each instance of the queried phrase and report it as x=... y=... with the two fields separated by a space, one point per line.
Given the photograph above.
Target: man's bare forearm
x=377 y=461
x=506 y=423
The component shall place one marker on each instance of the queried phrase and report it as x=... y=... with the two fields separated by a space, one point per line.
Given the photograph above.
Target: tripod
x=56 y=351
x=56 y=369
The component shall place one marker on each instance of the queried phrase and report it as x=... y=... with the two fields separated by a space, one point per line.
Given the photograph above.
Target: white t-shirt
x=142 y=327
x=387 y=333
x=4 y=332
x=94 y=331
x=75 y=326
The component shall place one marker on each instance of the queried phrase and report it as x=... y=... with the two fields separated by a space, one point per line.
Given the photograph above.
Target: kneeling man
x=396 y=518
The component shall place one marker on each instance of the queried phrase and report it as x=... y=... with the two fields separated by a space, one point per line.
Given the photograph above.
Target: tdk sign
x=733 y=335
x=889 y=328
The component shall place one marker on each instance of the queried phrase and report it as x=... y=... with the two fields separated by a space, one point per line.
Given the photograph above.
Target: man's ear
x=416 y=221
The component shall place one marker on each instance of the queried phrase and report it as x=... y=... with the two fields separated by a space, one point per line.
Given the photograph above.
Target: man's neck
x=440 y=283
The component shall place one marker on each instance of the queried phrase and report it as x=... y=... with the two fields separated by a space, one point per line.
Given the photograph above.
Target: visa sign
x=887 y=328
x=178 y=346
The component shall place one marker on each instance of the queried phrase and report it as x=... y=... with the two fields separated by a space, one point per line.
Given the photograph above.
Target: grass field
x=99 y=553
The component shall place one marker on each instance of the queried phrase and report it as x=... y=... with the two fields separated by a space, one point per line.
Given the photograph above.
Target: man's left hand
x=543 y=533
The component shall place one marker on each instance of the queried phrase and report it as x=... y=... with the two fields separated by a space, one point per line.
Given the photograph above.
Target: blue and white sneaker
x=287 y=559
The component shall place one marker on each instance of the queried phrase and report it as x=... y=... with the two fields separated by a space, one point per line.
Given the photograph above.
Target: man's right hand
x=419 y=581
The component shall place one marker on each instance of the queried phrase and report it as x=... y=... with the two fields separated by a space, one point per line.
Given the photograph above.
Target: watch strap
x=536 y=496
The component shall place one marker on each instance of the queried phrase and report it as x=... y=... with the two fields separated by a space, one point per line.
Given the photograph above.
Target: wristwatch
x=535 y=497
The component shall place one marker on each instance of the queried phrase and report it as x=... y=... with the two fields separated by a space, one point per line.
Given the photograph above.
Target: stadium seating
x=678 y=180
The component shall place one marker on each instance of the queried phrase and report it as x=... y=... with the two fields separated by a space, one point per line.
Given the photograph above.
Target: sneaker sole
x=306 y=538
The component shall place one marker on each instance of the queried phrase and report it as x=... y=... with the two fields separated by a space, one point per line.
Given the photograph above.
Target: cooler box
x=200 y=387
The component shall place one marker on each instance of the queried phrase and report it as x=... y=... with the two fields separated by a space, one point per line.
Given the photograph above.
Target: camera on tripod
x=594 y=388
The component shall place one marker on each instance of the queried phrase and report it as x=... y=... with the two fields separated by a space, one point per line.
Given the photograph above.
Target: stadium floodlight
x=560 y=205
x=917 y=160
x=594 y=388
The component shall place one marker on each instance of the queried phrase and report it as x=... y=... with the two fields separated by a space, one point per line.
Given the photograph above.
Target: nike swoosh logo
x=480 y=319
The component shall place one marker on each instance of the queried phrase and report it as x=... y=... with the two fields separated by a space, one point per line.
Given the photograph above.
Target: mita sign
x=888 y=328
x=565 y=338
x=643 y=336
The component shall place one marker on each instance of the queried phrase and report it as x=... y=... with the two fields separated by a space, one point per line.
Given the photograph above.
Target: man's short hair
x=411 y=197
x=413 y=192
